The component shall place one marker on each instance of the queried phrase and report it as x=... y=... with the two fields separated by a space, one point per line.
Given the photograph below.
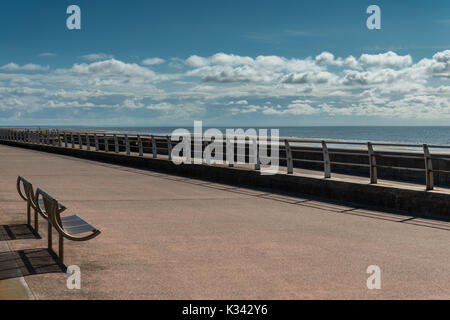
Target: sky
x=227 y=63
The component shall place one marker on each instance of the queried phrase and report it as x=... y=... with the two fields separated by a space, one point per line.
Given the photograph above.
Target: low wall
x=418 y=203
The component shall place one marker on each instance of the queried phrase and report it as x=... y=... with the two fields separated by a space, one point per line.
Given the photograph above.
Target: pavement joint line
x=16 y=286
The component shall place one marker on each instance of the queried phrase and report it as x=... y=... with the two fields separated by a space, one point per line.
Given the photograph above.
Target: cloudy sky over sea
x=274 y=63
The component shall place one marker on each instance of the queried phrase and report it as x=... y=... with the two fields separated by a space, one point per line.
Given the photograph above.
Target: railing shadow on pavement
x=23 y=263
x=18 y=232
x=293 y=199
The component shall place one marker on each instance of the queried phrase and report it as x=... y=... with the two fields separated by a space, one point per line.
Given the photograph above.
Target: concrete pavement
x=168 y=237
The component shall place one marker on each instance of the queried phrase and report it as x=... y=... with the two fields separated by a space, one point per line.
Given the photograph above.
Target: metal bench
x=71 y=227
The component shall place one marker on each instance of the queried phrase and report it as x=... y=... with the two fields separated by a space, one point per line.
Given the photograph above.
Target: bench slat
x=75 y=225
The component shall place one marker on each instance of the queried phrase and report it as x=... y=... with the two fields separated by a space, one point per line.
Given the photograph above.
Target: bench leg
x=36 y=221
x=28 y=214
x=61 y=248
x=50 y=239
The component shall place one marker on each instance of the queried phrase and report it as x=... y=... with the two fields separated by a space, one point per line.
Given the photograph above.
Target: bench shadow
x=18 y=232
x=23 y=263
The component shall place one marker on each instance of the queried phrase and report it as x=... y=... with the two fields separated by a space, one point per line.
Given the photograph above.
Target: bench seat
x=76 y=225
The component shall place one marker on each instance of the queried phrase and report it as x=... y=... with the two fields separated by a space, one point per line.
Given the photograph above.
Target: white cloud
x=47 y=54
x=325 y=58
x=384 y=85
x=295 y=108
x=228 y=68
x=197 y=61
x=27 y=67
x=309 y=77
x=114 y=67
x=389 y=59
x=240 y=102
x=153 y=61
x=97 y=56
x=245 y=109
x=439 y=66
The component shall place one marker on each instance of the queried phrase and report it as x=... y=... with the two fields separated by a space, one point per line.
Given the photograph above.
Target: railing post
x=96 y=142
x=88 y=142
x=59 y=139
x=230 y=151
x=72 y=138
x=106 y=142
x=256 y=153
x=116 y=144
x=53 y=136
x=289 y=160
x=428 y=168
x=127 y=145
x=65 y=139
x=169 y=147
x=373 y=164
x=154 y=148
x=141 y=148
x=326 y=161
x=80 y=141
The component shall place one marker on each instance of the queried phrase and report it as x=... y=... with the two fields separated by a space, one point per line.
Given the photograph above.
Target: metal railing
x=154 y=145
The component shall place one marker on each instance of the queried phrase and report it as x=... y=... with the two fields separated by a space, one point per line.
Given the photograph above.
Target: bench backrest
x=50 y=204
x=26 y=192
x=23 y=188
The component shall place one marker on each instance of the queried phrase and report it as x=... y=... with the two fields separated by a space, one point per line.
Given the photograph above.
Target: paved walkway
x=168 y=237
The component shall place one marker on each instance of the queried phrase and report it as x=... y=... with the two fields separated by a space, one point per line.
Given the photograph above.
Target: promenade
x=169 y=237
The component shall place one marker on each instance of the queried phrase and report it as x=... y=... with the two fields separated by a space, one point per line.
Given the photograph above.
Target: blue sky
x=226 y=63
